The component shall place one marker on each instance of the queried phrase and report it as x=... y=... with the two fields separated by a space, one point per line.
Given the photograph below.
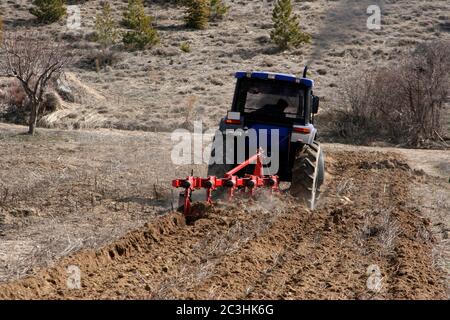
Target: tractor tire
x=321 y=170
x=308 y=174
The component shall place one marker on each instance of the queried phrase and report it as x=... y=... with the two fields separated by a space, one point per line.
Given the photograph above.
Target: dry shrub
x=134 y=14
x=97 y=59
x=48 y=11
x=106 y=28
x=16 y=106
x=52 y=102
x=15 y=95
x=197 y=14
x=402 y=103
x=13 y=102
x=188 y=113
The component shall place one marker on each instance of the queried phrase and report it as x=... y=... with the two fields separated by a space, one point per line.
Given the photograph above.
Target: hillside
x=150 y=90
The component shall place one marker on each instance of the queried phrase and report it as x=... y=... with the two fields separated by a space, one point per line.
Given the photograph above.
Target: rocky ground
x=370 y=214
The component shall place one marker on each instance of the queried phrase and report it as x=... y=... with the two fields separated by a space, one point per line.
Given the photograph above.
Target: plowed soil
x=273 y=248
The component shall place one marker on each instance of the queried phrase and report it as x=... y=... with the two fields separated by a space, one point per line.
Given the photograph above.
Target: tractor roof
x=275 y=76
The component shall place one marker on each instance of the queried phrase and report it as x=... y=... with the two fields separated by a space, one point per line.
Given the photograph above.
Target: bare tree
x=35 y=62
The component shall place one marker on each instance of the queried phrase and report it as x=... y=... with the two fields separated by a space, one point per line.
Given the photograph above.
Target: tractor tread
x=315 y=147
x=305 y=184
x=310 y=163
x=312 y=153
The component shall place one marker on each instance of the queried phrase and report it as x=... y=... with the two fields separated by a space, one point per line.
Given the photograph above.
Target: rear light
x=233 y=118
x=302 y=130
x=232 y=121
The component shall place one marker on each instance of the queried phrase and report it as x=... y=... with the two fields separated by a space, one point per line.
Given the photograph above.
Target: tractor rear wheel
x=308 y=174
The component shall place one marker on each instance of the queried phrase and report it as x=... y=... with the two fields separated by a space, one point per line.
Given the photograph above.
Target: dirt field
x=84 y=193
x=271 y=249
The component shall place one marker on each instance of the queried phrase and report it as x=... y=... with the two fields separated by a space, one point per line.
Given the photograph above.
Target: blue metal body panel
x=283 y=132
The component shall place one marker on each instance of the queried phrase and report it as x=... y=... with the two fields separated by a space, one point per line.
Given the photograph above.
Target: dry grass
x=345 y=187
x=379 y=224
x=69 y=191
x=146 y=90
x=115 y=174
x=389 y=230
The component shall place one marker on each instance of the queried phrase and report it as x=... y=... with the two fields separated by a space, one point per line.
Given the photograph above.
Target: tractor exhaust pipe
x=305 y=71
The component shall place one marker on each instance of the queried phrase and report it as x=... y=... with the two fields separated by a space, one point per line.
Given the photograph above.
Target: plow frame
x=248 y=184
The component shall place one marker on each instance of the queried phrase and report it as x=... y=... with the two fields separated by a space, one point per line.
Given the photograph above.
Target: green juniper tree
x=217 y=10
x=48 y=11
x=286 y=31
x=142 y=35
x=134 y=14
x=106 y=28
x=197 y=13
x=106 y=34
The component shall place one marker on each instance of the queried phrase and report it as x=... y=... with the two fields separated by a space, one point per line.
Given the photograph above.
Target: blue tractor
x=282 y=106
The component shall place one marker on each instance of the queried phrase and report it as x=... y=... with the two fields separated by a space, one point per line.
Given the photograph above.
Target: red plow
x=231 y=182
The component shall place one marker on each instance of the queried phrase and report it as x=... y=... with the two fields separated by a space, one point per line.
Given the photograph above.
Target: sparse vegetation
x=380 y=224
x=197 y=14
x=134 y=14
x=218 y=10
x=15 y=95
x=402 y=103
x=1 y=29
x=48 y=11
x=106 y=34
x=106 y=28
x=141 y=38
x=185 y=47
x=142 y=35
x=286 y=31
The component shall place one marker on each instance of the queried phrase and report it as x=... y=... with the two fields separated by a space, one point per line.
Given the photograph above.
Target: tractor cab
x=272 y=101
x=277 y=98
